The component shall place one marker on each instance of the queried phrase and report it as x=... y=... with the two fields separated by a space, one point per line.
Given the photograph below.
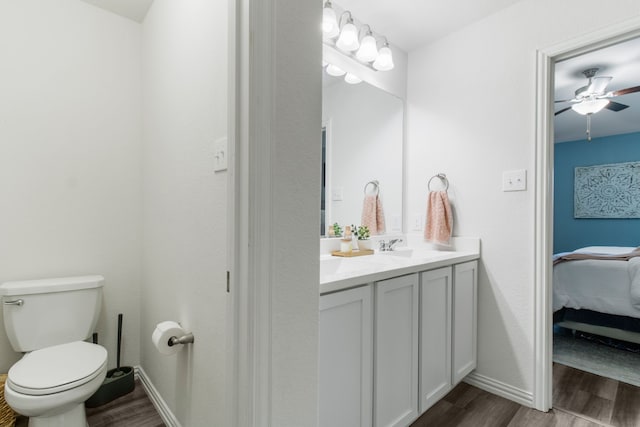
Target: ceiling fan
x=593 y=97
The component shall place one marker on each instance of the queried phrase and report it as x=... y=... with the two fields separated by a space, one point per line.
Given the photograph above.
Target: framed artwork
x=607 y=191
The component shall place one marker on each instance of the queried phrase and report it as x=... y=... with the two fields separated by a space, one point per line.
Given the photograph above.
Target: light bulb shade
x=348 y=40
x=589 y=106
x=335 y=71
x=352 y=79
x=384 y=61
x=329 y=23
x=368 y=49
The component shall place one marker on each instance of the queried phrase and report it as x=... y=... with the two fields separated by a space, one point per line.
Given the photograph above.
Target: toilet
x=48 y=320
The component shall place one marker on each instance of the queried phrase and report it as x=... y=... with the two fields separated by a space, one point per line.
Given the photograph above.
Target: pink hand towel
x=372 y=214
x=439 y=224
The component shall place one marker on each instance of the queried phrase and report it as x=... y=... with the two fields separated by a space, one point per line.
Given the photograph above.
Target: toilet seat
x=56 y=369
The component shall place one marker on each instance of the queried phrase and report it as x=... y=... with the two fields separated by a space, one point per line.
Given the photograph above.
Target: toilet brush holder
x=113 y=387
x=119 y=381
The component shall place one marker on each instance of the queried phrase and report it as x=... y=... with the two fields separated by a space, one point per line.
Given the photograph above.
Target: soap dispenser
x=354 y=239
x=346 y=245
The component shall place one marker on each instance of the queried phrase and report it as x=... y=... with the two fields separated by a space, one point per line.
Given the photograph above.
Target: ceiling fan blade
x=615 y=106
x=626 y=91
x=563 y=100
x=562 y=111
x=598 y=85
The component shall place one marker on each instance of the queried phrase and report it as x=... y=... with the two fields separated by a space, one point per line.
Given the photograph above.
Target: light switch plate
x=220 y=155
x=515 y=180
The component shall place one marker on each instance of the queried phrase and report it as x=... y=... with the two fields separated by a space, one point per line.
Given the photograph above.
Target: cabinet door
x=465 y=297
x=346 y=358
x=396 y=363
x=435 y=336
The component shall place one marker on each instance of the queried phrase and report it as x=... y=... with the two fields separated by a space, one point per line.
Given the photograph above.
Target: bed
x=596 y=289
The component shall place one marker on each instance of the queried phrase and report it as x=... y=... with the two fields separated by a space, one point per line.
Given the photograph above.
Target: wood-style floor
x=131 y=410
x=580 y=399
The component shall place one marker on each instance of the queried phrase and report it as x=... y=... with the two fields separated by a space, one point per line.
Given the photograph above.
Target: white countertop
x=340 y=273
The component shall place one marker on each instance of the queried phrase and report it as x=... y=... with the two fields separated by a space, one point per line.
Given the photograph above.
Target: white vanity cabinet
x=435 y=335
x=389 y=350
x=396 y=351
x=465 y=303
x=346 y=358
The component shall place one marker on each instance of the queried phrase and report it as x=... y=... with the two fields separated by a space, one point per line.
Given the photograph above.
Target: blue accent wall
x=570 y=233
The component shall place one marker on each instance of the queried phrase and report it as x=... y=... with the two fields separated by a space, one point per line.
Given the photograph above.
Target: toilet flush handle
x=18 y=302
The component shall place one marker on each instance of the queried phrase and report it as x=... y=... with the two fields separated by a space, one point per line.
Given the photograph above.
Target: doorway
x=546 y=60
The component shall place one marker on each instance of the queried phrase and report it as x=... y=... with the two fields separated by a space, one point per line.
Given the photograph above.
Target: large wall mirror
x=362 y=138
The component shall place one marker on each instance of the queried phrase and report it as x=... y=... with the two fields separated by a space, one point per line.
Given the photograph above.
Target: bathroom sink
x=412 y=253
x=399 y=252
x=336 y=265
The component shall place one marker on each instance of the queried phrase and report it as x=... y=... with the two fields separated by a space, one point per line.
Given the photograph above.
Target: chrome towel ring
x=443 y=179
x=375 y=184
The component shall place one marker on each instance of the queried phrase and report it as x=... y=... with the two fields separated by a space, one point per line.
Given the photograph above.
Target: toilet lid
x=58 y=368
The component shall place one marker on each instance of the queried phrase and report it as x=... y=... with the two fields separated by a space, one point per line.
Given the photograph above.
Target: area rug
x=599 y=356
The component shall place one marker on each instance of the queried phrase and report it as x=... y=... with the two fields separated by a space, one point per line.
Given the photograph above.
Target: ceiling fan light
x=335 y=71
x=352 y=79
x=368 y=49
x=329 y=22
x=589 y=106
x=348 y=40
x=384 y=61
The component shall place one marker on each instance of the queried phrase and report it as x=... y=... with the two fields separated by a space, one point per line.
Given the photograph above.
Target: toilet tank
x=46 y=312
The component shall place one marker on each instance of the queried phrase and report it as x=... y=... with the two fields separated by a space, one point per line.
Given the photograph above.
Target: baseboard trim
x=158 y=402
x=501 y=389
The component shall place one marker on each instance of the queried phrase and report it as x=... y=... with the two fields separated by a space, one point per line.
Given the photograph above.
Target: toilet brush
x=118 y=372
x=119 y=381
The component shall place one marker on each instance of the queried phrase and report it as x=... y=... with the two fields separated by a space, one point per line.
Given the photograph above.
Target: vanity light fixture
x=348 y=39
x=360 y=45
x=368 y=51
x=384 y=61
x=352 y=79
x=330 y=27
x=335 y=71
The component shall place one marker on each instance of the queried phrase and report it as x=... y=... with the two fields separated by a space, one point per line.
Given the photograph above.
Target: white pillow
x=605 y=250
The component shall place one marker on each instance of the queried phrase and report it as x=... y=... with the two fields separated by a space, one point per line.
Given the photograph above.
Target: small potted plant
x=363 y=237
x=337 y=230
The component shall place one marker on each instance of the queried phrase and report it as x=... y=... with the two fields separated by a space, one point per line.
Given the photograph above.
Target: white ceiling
x=410 y=24
x=132 y=9
x=620 y=61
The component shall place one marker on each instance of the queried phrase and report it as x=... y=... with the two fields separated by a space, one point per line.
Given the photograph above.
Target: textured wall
x=184 y=205
x=476 y=122
x=70 y=181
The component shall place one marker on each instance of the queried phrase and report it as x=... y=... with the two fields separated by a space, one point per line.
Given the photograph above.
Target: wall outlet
x=396 y=223
x=418 y=222
x=515 y=180
x=337 y=194
x=220 y=150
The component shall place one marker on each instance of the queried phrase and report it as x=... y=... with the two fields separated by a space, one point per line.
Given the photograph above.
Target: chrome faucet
x=389 y=246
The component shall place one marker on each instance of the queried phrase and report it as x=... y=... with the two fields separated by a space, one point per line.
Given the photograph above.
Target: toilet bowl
x=50 y=385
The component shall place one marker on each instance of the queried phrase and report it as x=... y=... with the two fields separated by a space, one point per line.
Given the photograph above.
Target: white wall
x=184 y=208
x=366 y=138
x=70 y=182
x=295 y=178
x=478 y=121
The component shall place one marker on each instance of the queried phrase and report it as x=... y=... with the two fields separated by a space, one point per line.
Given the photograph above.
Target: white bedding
x=606 y=286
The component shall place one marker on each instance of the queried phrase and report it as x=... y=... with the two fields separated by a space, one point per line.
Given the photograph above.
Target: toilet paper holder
x=185 y=339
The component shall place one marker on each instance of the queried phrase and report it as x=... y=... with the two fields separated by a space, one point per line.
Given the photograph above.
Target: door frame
x=543 y=308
